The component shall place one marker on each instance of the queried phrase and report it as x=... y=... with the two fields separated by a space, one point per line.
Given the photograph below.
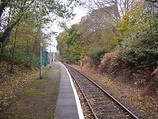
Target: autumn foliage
x=124 y=47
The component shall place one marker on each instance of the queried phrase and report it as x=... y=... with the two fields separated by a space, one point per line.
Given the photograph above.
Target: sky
x=80 y=11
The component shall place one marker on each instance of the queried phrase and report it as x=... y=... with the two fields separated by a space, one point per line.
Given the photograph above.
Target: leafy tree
x=139 y=48
x=62 y=46
x=77 y=51
x=96 y=54
x=94 y=31
x=138 y=45
x=133 y=17
x=73 y=35
x=20 y=25
x=71 y=47
x=15 y=12
x=23 y=40
x=98 y=28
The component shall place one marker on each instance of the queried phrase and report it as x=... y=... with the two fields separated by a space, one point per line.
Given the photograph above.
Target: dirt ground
x=38 y=100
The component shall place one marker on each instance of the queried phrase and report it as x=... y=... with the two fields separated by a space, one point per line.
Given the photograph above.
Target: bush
x=139 y=48
x=23 y=59
x=107 y=61
x=96 y=54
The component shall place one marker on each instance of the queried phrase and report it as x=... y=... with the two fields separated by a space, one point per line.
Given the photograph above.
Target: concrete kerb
x=79 y=108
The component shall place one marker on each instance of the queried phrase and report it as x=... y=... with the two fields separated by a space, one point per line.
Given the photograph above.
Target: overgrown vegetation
x=72 y=47
x=96 y=54
x=138 y=43
x=124 y=45
x=21 y=29
x=21 y=34
x=139 y=47
x=23 y=59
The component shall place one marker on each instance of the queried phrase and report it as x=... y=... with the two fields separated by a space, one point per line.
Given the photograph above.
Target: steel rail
x=103 y=90
x=91 y=109
x=114 y=99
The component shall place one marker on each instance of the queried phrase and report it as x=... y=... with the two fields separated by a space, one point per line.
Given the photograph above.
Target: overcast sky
x=80 y=11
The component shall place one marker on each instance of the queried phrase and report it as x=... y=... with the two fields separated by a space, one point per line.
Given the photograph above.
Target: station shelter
x=45 y=58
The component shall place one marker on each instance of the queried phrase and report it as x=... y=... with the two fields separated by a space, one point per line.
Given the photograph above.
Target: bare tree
x=124 y=5
x=120 y=5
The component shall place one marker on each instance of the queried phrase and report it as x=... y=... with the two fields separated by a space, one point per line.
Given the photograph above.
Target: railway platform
x=68 y=104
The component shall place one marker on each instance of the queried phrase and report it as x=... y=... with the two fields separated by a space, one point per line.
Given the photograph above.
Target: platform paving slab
x=66 y=105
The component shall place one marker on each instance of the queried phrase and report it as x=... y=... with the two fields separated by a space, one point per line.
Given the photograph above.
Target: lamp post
x=50 y=57
x=53 y=54
x=41 y=71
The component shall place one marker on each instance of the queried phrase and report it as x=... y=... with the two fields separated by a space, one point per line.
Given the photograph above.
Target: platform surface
x=68 y=105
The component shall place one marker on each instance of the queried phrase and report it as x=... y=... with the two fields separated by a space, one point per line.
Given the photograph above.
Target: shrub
x=139 y=48
x=23 y=59
x=107 y=61
x=96 y=54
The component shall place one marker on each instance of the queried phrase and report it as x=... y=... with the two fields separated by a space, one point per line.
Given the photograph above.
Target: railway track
x=101 y=103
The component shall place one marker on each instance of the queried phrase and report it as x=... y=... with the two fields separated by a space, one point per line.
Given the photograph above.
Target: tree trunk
x=13 y=52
